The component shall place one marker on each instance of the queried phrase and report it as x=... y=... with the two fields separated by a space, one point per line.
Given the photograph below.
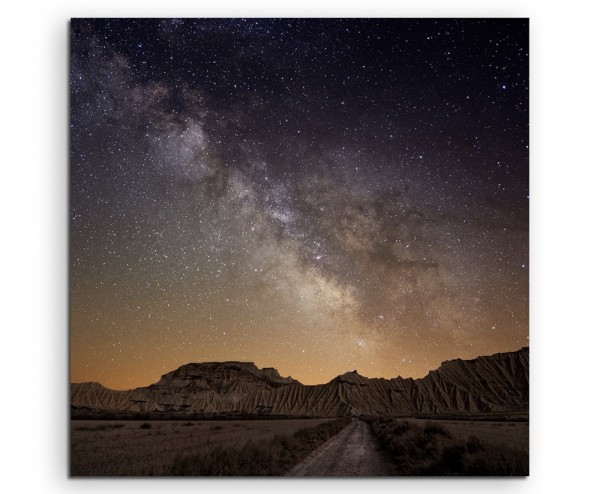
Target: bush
x=435 y=428
x=146 y=425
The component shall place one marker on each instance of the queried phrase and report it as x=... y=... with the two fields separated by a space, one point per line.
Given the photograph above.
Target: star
x=292 y=192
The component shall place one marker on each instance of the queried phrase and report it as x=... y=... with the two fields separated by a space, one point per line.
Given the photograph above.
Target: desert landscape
x=299 y=247
x=234 y=419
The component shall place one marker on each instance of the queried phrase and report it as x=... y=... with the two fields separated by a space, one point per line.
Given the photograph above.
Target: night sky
x=312 y=195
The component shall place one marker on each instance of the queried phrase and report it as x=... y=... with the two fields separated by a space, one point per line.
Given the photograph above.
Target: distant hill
x=495 y=383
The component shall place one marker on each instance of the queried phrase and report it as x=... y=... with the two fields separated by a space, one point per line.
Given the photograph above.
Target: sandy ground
x=353 y=452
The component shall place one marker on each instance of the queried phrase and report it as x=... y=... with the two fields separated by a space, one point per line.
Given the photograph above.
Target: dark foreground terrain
x=371 y=446
x=211 y=448
x=425 y=447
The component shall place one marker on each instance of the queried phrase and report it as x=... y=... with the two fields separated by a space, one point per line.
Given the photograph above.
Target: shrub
x=435 y=428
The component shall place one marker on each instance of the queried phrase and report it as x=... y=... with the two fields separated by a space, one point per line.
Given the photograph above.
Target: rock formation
x=496 y=383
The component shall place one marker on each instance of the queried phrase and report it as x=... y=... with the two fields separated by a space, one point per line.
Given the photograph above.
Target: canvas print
x=299 y=247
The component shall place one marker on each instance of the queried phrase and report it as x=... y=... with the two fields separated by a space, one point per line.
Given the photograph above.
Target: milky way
x=312 y=195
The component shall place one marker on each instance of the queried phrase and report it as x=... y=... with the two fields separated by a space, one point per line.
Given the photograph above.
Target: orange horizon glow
x=313 y=195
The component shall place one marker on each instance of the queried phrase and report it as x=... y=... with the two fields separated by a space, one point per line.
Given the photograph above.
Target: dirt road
x=353 y=452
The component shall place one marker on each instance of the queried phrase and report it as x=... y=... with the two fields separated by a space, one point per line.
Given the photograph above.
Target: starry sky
x=314 y=195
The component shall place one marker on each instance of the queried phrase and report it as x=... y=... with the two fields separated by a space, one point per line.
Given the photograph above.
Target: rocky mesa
x=495 y=383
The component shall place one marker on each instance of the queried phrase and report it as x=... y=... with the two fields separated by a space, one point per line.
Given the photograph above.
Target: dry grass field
x=506 y=434
x=415 y=446
x=425 y=447
x=129 y=447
